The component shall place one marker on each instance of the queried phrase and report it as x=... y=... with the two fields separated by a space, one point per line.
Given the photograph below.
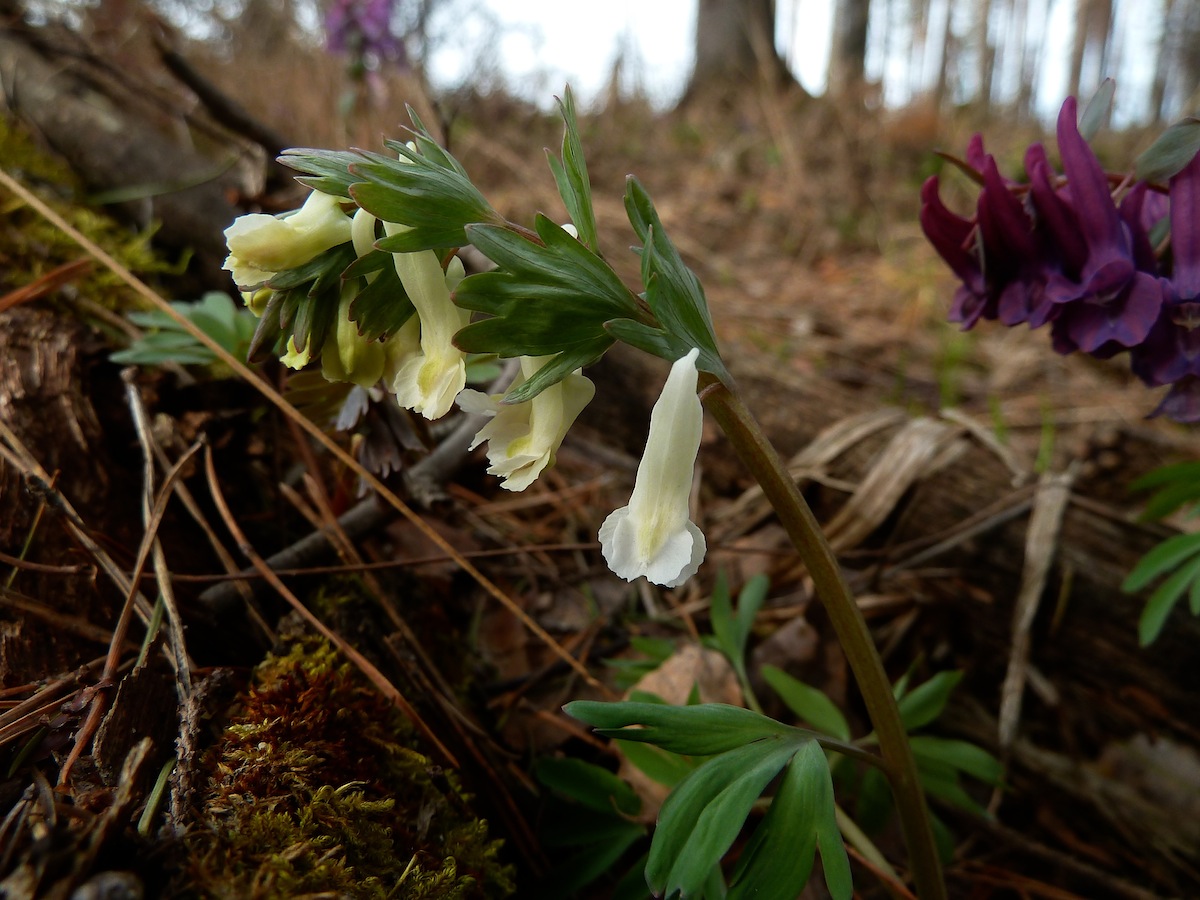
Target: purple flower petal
x=1185 y=230
x=1056 y=219
x=1090 y=196
x=1182 y=402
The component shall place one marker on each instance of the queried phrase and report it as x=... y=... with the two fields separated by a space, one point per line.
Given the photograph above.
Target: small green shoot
x=215 y=314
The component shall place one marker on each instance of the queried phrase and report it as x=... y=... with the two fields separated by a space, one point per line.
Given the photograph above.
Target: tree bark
x=735 y=48
x=848 y=53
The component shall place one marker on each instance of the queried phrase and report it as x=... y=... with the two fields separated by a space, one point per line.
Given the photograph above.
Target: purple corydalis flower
x=363 y=27
x=1012 y=253
x=1171 y=352
x=953 y=237
x=1111 y=304
x=995 y=254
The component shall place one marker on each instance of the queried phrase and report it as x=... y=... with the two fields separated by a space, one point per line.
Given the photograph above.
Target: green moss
x=31 y=247
x=316 y=790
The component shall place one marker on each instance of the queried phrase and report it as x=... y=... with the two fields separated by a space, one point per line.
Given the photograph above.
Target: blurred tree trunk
x=735 y=48
x=1093 y=27
x=1189 y=61
x=949 y=45
x=848 y=55
x=1162 y=64
x=985 y=53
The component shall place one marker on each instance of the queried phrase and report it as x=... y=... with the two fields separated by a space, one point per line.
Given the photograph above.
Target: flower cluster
x=362 y=29
x=1062 y=250
x=313 y=265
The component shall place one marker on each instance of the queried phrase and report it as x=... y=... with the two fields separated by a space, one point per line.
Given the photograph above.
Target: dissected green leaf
x=550 y=295
x=327 y=171
x=942 y=781
x=704 y=814
x=810 y=704
x=382 y=307
x=960 y=755
x=590 y=785
x=648 y=339
x=925 y=702
x=657 y=764
x=1184 y=471
x=695 y=730
x=216 y=314
x=673 y=291
x=329 y=264
x=1171 y=498
x=1162 y=559
x=1163 y=600
x=874 y=803
x=571 y=176
x=1097 y=110
x=777 y=861
x=1173 y=150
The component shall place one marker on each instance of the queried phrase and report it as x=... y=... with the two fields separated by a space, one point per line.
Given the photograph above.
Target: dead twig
x=377 y=678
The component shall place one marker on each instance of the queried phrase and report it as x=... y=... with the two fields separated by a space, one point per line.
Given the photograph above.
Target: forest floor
x=921 y=448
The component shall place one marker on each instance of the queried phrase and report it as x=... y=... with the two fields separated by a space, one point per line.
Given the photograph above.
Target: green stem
x=764 y=463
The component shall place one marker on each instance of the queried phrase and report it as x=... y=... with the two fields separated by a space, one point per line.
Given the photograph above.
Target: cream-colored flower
x=256 y=301
x=293 y=358
x=261 y=245
x=429 y=382
x=523 y=437
x=347 y=355
x=653 y=535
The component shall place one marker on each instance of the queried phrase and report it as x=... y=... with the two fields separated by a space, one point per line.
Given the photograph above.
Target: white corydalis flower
x=428 y=383
x=524 y=437
x=653 y=535
x=261 y=245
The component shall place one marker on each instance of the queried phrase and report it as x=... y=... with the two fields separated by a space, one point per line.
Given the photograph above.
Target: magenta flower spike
x=1112 y=305
x=1171 y=352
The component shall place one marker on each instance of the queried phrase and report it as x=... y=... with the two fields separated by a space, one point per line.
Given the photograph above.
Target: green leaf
x=941 y=781
x=382 y=307
x=327 y=171
x=778 y=859
x=720 y=613
x=811 y=705
x=874 y=804
x=549 y=295
x=589 y=785
x=673 y=291
x=657 y=764
x=571 y=176
x=1184 y=471
x=926 y=701
x=323 y=266
x=1163 y=600
x=156 y=349
x=1162 y=559
x=1171 y=498
x=1173 y=150
x=426 y=189
x=701 y=730
x=648 y=339
x=704 y=814
x=960 y=755
x=1096 y=113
